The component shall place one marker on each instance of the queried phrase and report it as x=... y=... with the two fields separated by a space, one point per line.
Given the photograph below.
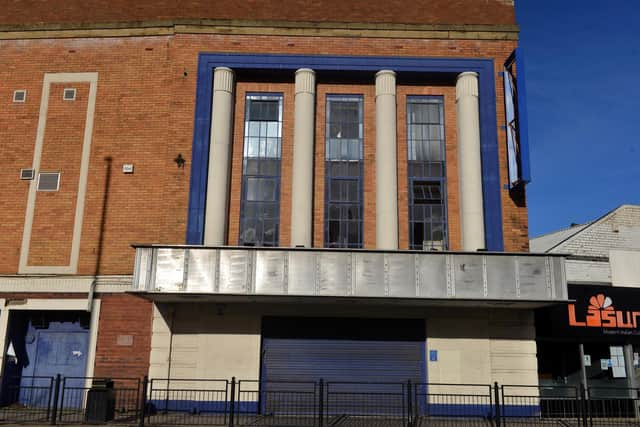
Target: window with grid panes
x=343 y=171
x=260 y=197
x=426 y=172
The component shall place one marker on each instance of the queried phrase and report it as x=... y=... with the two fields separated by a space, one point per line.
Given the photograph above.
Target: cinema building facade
x=313 y=193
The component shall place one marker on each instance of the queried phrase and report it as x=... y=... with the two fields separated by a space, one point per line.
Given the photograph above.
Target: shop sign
x=597 y=312
x=602 y=314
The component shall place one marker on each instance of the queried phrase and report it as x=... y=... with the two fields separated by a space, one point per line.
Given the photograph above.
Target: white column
x=386 y=164
x=469 y=162
x=302 y=178
x=215 y=226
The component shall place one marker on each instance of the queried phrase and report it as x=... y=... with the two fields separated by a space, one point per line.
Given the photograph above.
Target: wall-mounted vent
x=69 y=94
x=19 y=95
x=49 y=181
x=27 y=174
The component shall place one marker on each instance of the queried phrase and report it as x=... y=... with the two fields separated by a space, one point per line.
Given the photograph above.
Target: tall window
x=260 y=198
x=343 y=172
x=426 y=171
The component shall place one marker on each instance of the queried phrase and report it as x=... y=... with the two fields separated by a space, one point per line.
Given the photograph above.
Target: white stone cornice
x=64 y=284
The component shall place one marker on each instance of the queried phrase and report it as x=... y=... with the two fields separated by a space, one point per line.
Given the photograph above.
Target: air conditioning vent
x=19 y=95
x=49 y=181
x=69 y=94
x=27 y=174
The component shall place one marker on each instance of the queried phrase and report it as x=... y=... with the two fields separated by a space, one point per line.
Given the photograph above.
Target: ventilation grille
x=69 y=94
x=27 y=174
x=49 y=181
x=19 y=95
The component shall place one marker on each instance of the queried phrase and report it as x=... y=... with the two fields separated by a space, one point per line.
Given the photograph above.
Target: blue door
x=59 y=349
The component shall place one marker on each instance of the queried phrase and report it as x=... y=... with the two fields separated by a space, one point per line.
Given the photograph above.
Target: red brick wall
x=144 y=115
x=52 y=228
x=390 y=11
x=123 y=316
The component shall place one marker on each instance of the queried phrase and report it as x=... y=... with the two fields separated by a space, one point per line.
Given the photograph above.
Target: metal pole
x=143 y=400
x=56 y=391
x=496 y=396
x=409 y=406
x=321 y=403
x=232 y=402
x=584 y=406
x=583 y=369
x=51 y=380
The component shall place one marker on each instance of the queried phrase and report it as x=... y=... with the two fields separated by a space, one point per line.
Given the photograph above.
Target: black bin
x=101 y=401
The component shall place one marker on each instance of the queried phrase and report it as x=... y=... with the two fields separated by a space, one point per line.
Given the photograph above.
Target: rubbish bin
x=101 y=401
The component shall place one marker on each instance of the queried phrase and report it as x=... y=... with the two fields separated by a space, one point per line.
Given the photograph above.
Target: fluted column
x=469 y=162
x=386 y=163
x=216 y=221
x=302 y=178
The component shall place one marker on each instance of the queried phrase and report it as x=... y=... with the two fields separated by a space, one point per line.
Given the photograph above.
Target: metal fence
x=26 y=399
x=281 y=403
x=51 y=400
x=187 y=402
x=96 y=400
x=452 y=404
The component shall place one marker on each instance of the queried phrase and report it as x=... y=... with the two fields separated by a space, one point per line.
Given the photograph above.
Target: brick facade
x=488 y=12
x=145 y=116
x=137 y=123
x=124 y=336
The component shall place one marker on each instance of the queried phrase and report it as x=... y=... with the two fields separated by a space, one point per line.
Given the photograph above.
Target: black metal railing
x=366 y=403
x=134 y=401
x=98 y=400
x=529 y=404
x=187 y=402
x=612 y=406
x=276 y=403
x=452 y=404
x=27 y=399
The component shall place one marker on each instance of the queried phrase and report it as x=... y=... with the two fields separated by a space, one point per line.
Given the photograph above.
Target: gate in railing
x=452 y=404
x=534 y=405
x=51 y=400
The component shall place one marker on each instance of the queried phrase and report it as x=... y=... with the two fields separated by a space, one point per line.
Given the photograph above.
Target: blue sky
x=583 y=81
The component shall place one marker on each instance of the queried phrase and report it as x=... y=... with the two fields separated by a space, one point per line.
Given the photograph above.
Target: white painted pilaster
x=469 y=162
x=215 y=229
x=386 y=162
x=303 y=146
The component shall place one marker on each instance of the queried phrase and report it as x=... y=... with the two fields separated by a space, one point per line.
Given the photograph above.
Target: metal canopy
x=211 y=273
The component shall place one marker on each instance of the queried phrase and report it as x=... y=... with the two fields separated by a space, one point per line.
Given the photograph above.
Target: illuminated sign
x=595 y=313
x=602 y=314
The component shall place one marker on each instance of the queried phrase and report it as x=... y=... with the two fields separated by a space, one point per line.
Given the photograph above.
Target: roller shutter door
x=345 y=350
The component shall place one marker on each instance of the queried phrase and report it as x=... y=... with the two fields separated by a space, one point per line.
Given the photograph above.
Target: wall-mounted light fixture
x=180 y=161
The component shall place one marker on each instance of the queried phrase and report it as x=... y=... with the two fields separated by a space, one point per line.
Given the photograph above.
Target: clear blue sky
x=582 y=62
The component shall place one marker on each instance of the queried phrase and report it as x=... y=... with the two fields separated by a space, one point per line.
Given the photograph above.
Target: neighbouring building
x=267 y=190
x=594 y=340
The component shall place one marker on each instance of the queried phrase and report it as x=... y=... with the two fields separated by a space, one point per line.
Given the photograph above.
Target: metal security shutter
x=347 y=350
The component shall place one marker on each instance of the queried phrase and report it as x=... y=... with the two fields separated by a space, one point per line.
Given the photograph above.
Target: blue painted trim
x=201 y=406
x=488 y=124
x=523 y=118
x=480 y=410
x=200 y=154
